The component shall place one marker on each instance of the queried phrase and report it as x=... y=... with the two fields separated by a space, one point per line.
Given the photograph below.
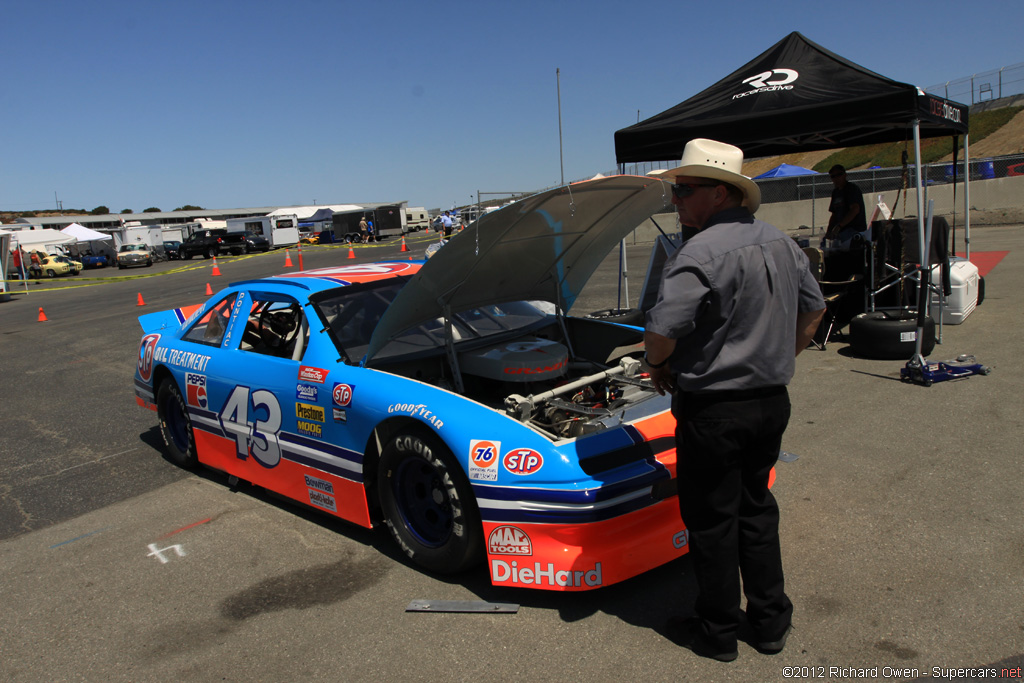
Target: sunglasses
x=684 y=190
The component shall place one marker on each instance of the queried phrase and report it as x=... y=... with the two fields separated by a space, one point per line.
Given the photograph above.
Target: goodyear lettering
x=309 y=429
x=417 y=410
x=306 y=411
x=319 y=484
x=502 y=571
x=509 y=540
x=182 y=359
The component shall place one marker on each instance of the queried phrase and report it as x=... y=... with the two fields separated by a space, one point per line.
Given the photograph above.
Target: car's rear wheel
x=211 y=252
x=175 y=424
x=50 y=273
x=428 y=503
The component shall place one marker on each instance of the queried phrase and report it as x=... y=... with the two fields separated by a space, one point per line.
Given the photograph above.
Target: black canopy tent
x=797 y=96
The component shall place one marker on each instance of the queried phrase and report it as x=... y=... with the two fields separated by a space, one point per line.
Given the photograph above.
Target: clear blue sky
x=230 y=104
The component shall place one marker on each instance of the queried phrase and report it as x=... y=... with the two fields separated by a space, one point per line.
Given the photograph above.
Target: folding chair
x=832 y=291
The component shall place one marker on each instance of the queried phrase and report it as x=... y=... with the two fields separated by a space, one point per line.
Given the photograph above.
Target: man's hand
x=663 y=380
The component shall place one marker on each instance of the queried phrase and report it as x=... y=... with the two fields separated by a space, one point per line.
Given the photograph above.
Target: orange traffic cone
x=141 y=302
x=287 y=259
x=404 y=247
x=209 y=292
x=42 y=316
x=216 y=270
x=351 y=252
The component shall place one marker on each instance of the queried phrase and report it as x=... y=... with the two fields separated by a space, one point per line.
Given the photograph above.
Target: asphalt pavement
x=902 y=524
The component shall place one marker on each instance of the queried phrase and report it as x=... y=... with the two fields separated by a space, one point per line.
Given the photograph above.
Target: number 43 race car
x=453 y=400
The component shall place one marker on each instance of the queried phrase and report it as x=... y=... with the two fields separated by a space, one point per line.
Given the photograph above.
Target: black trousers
x=727 y=443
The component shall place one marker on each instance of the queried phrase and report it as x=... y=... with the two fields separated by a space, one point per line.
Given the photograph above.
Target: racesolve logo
x=769 y=81
x=509 y=540
x=310 y=374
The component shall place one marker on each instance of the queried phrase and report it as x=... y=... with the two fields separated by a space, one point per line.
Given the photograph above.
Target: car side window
x=210 y=328
x=275 y=328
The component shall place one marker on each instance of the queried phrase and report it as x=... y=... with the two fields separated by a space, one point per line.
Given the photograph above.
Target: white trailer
x=279 y=231
x=416 y=218
x=201 y=224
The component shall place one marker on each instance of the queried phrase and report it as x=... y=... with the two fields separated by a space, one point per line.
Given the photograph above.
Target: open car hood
x=542 y=248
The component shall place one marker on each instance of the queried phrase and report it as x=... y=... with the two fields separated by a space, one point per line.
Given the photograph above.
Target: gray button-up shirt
x=730 y=296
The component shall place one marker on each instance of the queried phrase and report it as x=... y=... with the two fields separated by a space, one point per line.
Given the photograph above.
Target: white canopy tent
x=40 y=239
x=84 y=234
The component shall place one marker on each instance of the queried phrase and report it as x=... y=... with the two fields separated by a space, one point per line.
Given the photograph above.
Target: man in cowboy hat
x=737 y=303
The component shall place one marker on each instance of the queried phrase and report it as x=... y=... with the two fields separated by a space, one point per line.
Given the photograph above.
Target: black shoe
x=773 y=647
x=689 y=633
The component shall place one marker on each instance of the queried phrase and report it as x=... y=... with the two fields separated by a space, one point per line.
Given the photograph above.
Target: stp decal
x=146 y=351
x=195 y=390
x=483 y=459
x=509 y=540
x=342 y=394
x=522 y=461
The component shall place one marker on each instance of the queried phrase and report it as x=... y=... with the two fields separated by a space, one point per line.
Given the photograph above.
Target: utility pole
x=558 y=87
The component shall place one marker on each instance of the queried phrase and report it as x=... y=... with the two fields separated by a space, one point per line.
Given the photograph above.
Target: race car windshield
x=352 y=314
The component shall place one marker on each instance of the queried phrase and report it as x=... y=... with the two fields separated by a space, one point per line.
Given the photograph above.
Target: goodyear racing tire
x=175 y=425
x=428 y=504
x=889 y=336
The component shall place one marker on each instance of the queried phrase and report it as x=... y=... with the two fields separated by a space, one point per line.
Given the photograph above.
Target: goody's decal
x=195 y=390
x=147 y=350
x=522 y=461
x=307 y=392
x=509 y=540
x=483 y=459
x=342 y=394
x=310 y=374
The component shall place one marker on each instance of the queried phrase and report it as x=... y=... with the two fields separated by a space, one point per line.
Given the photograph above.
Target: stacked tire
x=890 y=335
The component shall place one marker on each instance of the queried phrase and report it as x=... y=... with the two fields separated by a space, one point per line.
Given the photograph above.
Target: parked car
x=94 y=260
x=137 y=254
x=54 y=266
x=253 y=242
x=212 y=242
x=452 y=400
x=171 y=248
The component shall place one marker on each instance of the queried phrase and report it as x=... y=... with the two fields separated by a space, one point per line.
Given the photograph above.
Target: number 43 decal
x=259 y=437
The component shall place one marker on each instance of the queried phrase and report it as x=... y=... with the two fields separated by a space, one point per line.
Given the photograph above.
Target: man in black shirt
x=846 y=207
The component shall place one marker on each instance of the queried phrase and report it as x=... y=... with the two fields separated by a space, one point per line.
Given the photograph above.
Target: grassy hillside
x=980 y=126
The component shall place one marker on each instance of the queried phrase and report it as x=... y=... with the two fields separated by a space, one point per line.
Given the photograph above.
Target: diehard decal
x=195 y=390
x=483 y=460
x=502 y=571
x=509 y=540
x=523 y=461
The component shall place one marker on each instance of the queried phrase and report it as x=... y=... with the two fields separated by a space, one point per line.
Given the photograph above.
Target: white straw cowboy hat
x=703 y=158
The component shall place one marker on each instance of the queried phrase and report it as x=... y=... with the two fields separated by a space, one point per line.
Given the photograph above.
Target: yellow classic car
x=53 y=266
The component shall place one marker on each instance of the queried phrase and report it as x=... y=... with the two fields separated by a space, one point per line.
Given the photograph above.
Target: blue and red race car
x=453 y=400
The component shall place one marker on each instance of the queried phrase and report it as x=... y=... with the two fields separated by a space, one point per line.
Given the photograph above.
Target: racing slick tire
x=889 y=336
x=428 y=504
x=175 y=425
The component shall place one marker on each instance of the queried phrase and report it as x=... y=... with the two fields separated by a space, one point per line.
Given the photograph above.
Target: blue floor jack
x=918 y=370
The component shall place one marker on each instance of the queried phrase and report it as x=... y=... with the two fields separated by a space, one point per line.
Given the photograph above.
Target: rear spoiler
x=167 y=320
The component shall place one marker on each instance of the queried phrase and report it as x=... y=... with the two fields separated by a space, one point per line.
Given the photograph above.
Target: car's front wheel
x=175 y=425
x=428 y=503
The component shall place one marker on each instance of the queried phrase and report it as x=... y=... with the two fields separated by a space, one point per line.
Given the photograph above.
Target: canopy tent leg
x=967 y=198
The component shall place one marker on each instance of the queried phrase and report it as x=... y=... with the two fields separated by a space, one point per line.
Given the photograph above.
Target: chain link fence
x=875 y=180
x=982 y=87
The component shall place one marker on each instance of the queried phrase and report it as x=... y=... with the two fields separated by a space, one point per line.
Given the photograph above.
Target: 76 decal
x=257 y=437
x=483 y=459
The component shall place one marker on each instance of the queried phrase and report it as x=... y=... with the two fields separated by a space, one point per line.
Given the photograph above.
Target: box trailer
x=279 y=231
